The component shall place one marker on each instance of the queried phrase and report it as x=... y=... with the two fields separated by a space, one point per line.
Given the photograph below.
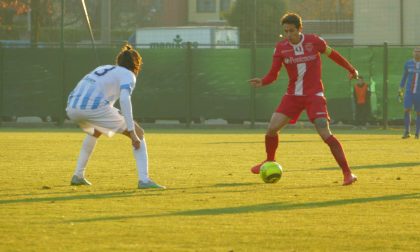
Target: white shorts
x=106 y=120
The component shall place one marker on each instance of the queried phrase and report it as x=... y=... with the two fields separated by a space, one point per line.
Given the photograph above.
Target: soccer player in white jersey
x=91 y=106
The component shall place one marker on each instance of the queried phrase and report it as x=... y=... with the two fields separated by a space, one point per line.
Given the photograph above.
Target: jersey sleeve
x=275 y=67
x=320 y=44
x=334 y=55
x=126 y=109
x=127 y=81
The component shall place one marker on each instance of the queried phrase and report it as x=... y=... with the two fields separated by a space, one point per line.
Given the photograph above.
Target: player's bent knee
x=139 y=131
x=96 y=133
x=321 y=123
x=272 y=130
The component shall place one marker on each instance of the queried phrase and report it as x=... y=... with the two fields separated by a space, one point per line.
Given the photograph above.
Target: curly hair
x=129 y=58
x=292 y=18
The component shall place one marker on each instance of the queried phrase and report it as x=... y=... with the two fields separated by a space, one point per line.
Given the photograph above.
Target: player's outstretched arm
x=400 y=95
x=402 y=84
x=340 y=60
x=404 y=77
x=271 y=76
x=256 y=82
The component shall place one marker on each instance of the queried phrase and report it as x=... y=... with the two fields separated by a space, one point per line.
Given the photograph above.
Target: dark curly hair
x=292 y=18
x=129 y=58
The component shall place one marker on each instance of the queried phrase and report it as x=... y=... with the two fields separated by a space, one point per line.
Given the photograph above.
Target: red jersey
x=303 y=65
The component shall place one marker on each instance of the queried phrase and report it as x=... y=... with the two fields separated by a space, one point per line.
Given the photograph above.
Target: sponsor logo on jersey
x=286 y=51
x=90 y=80
x=297 y=60
x=414 y=70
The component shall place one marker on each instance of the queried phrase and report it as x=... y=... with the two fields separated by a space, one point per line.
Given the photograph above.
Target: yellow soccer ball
x=271 y=172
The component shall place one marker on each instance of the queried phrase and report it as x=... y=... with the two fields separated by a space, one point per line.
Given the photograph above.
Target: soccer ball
x=271 y=172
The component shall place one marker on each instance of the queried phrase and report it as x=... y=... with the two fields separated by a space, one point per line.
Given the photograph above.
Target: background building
x=396 y=22
x=208 y=11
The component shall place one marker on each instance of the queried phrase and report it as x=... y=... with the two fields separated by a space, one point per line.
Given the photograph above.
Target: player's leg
x=86 y=151
x=417 y=109
x=288 y=111
x=318 y=113
x=407 y=123
x=358 y=115
x=322 y=126
x=408 y=104
x=417 y=124
x=277 y=122
x=365 y=115
x=142 y=160
x=140 y=155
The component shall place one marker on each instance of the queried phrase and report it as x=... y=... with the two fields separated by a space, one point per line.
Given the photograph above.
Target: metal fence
x=46 y=49
x=189 y=84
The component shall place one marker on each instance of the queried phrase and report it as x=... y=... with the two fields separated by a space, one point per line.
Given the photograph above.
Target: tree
x=41 y=13
x=8 y=10
x=267 y=13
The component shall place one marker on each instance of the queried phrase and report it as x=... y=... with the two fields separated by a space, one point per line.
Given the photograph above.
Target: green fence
x=190 y=84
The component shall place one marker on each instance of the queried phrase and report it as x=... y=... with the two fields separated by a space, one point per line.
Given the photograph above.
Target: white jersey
x=101 y=87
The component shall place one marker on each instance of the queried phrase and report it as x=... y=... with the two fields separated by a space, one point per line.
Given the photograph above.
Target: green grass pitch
x=213 y=202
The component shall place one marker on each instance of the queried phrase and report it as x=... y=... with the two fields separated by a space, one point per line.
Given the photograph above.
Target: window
x=158 y=4
x=206 y=6
x=225 y=5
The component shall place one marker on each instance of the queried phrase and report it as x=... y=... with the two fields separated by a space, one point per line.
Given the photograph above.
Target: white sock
x=142 y=161
x=85 y=153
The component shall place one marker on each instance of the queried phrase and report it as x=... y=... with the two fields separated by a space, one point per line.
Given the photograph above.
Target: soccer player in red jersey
x=300 y=54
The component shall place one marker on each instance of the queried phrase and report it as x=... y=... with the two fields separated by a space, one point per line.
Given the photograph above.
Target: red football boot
x=349 y=179
x=256 y=169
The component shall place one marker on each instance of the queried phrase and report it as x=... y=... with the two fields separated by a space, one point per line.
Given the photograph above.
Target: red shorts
x=292 y=106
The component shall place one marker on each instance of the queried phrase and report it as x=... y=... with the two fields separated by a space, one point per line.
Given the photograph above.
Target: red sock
x=271 y=143
x=338 y=154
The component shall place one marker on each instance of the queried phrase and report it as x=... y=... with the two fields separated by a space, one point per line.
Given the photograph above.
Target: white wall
x=377 y=21
x=411 y=22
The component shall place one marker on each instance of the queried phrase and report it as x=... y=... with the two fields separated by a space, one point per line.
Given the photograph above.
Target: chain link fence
x=198 y=54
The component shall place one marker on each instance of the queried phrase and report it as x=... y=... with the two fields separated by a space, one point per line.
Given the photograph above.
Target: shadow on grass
x=70 y=197
x=235 y=184
x=213 y=189
x=367 y=140
x=109 y=195
x=38 y=191
x=268 y=207
x=299 y=141
x=262 y=142
x=377 y=166
x=220 y=185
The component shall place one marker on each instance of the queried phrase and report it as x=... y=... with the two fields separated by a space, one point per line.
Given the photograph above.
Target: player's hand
x=354 y=75
x=400 y=94
x=135 y=140
x=255 y=82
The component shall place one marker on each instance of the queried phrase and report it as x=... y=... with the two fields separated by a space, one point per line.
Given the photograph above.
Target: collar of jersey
x=300 y=42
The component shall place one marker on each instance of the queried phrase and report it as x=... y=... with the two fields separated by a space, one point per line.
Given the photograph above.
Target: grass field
x=213 y=202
